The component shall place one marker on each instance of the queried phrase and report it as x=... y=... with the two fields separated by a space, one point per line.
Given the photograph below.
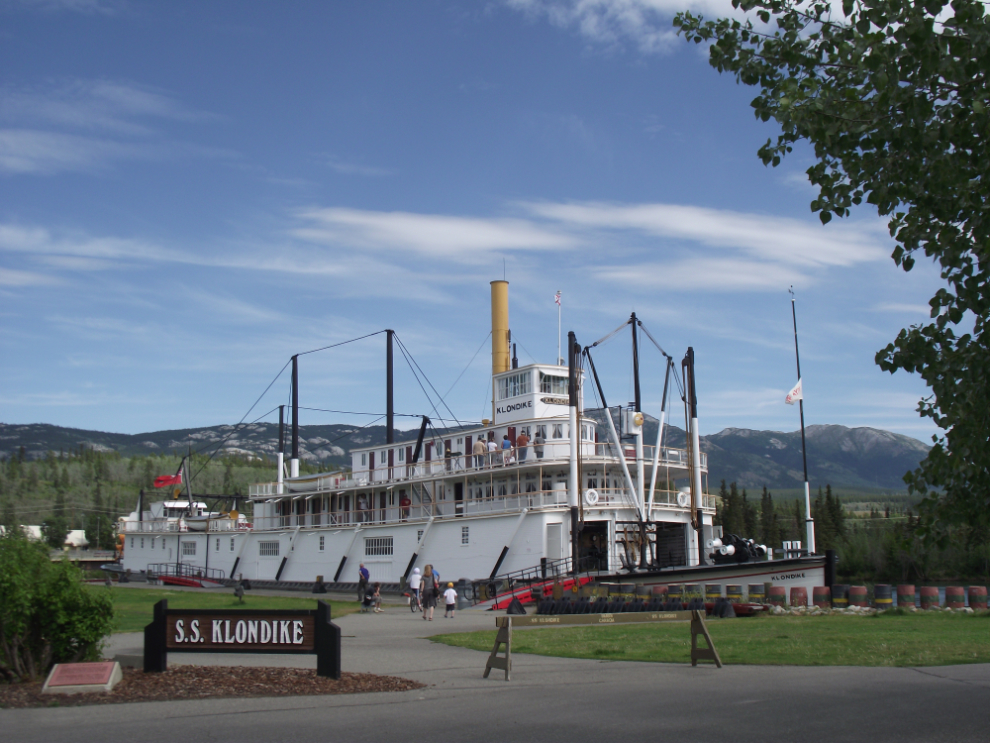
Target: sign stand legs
x=698 y=628
x=504 y=637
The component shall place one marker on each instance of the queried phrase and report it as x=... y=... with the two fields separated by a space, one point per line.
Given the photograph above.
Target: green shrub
x=47 y=614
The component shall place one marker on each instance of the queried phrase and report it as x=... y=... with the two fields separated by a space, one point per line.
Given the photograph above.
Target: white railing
x=552 y=454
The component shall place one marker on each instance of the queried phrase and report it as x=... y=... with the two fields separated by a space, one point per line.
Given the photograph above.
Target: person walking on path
x=429 y=592
x=522 y=441
x=480 y=449
x=415 y=581
x=363 y=577
x=538 y=441
x=450 y=601
x=378 y=598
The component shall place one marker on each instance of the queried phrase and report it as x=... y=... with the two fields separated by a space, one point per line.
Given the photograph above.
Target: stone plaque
x=75 y=678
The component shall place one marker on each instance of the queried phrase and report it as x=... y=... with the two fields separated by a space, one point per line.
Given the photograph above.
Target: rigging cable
x=469 y=363
x=342 y=343
x=409 y=358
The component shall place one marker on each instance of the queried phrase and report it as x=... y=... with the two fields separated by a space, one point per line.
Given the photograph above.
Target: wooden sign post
x=505 y=624
x=242 y=631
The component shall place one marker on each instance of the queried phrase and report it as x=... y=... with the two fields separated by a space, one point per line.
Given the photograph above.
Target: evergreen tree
x=228 y=478
x=749 y=517
x=9 y=517
x=837 y=513
x=56 y=527
x=723 y=498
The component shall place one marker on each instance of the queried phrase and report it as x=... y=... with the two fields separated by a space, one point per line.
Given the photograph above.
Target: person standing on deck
x=522 y=441
x=538 y=441
x=506 y=450
x=492 y=448
x=480 y=449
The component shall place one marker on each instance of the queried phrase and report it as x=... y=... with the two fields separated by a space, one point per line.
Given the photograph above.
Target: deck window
x=231 y=544
x=323 y=541
x=378 y=547
x=218 y=545
x=515 y=385
x=558 y=430
x=553 y=385
x=188 y=548
x=268 y=549
x=465 y=535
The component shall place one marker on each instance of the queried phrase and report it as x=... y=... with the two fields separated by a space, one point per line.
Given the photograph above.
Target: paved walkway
x=549 y=699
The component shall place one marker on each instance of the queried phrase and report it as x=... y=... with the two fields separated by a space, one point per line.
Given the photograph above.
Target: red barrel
x=977 y=597
x=821 y=596
x=905 y=596
x=799 y=596
x=955 y=597
x=858 y=596
x=660 y=591
x=777 y=596
x=929 y=597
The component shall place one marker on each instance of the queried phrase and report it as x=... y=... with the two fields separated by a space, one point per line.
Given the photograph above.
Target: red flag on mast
x=163 y=481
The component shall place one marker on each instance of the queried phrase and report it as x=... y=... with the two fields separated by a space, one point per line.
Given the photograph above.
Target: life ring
x=683 y=500
x=591 y=497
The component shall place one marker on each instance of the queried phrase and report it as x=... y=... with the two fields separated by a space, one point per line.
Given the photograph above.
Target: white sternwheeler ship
x=551 y=490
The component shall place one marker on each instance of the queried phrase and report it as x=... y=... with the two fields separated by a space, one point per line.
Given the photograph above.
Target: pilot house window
x=515 y=385
x=553 y=385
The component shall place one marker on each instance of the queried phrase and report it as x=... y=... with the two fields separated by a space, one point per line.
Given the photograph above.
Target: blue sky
x=192 y=192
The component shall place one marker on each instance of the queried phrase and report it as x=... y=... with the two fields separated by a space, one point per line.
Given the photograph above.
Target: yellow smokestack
x=500 y=327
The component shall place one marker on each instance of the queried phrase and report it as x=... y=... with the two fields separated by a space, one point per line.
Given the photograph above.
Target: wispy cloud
x=350 y=168
x=645 y=24
x=912 y=309
x=462 y=239
x=87 y=125
x=11 y=277
x=87 y=7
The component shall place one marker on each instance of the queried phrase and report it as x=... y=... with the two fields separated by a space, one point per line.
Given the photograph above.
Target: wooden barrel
x=642 y=591
x=735 y=595
x=905 y=596
x=858 y=596
x=929 y=597
x=840 y=596
x=713 y=592
x=757 y=593
x=955 y=597
x=627 y=590
x=978 y=598
x=882 y=598
x=691 y=591
x=660 y=591
x=821 y=596
x=799 y=596
x=777 y=596
x=675 y=592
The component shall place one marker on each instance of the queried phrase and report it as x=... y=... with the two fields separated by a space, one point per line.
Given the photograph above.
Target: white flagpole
x=557 y=300
x=809 y=523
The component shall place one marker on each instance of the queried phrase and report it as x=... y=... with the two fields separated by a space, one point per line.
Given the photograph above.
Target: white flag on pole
x=794 y=394
x=556 y=298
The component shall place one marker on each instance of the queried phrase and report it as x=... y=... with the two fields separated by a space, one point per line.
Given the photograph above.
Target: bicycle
x=414 y=602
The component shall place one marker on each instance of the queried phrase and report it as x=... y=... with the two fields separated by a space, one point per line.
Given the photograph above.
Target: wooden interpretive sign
x=505 y=625
x=244 y=631
x=74 y=678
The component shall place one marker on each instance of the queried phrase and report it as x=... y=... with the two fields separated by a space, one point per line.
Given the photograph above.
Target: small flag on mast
x=794 y=394
x=556 y=298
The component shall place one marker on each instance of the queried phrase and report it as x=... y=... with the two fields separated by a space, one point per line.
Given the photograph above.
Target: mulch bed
x=203 y=682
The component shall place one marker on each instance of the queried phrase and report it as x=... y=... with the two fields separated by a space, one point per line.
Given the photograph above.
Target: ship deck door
x=458 y=498
x=553 y=541
x=593 y=546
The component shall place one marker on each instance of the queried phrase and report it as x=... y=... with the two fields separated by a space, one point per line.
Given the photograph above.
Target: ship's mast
x=294 y=461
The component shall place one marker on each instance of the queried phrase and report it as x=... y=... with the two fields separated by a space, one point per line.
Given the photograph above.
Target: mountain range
x=861 y=458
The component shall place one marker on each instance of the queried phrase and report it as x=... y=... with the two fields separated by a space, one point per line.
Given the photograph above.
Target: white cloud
x=644 y=23
x=704 y=273
x=348 y=168
x=85 y=125
x=778 y=239
x=461 y=239
x=913 y=309
x=11 y=277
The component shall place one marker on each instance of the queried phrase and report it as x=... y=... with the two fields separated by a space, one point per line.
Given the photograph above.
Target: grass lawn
x=920 y=639
x=134 y=607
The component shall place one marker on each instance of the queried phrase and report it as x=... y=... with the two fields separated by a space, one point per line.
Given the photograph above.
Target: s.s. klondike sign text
x=244 y=631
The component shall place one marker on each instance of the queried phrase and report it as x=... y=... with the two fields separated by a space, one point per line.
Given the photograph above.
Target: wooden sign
x=233 y=631
x=245 y=631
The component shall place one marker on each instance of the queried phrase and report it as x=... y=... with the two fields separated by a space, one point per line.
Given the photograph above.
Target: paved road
x=548 y=700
